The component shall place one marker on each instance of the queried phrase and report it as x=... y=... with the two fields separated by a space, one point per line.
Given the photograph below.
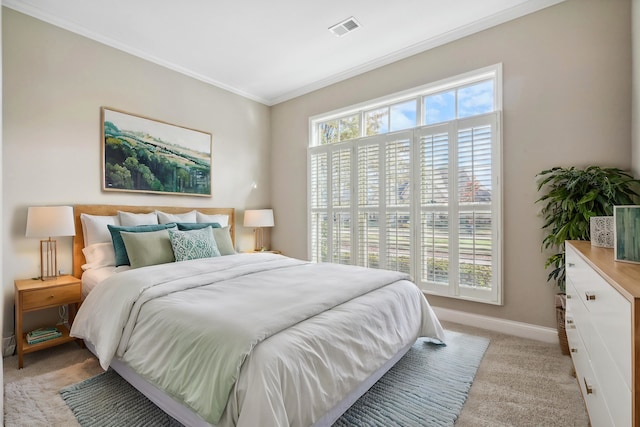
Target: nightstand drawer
x=54 y=296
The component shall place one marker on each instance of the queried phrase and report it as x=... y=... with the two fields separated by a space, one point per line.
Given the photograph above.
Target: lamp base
x=260 y=247
x=48 y=259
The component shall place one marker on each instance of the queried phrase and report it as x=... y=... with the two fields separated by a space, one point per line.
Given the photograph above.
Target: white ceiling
x=275 y=50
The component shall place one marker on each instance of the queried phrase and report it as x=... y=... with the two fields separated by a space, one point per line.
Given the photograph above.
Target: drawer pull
x=574 y=350
x=590 y=296
x=571 y=264
x=570 y=323
x=587 y=387
x=568 y=296
x=51 y=296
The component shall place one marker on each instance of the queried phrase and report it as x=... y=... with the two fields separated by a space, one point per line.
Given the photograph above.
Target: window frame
x=453 y=288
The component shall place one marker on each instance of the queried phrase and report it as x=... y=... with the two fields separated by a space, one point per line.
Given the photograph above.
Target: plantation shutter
x=397 y=176
x=369 y=227
x=474 y=215
x=458 y=211
x=341 y=204
x=319 y=224
x=434 y=207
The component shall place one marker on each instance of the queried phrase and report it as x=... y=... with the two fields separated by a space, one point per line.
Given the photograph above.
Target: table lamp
x=258 y=219
x=49 y=221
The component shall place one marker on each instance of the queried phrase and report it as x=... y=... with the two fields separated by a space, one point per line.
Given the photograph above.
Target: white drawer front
x=596 y=406
x=576 y=345
x=616 y=391
x=611 y=318
x=591 y=391
x=577 y=315
x=578 y=272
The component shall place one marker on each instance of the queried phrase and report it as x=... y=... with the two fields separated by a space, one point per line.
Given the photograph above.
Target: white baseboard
x=510 y=327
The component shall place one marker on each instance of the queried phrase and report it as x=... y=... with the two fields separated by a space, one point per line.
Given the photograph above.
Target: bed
x=243 y=339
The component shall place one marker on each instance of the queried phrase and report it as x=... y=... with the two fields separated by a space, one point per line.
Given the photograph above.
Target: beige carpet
x=522 y=383
x=519 y=383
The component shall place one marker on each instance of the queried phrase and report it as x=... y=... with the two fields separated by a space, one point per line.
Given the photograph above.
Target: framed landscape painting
x=145 y=155
x=626 y=233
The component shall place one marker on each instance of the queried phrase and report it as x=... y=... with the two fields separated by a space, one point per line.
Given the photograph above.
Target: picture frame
x=144 y=155
x=627 y=233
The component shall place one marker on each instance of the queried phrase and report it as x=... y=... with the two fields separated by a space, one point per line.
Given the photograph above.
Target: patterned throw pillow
x=193 y=244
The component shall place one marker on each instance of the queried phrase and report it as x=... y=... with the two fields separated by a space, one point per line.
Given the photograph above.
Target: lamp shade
x=258 y=218
x=50 y=221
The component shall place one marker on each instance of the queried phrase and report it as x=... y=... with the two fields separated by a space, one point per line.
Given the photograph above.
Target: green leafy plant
x=570 y=198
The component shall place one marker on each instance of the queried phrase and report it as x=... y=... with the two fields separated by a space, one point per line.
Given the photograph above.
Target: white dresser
x=602 y=324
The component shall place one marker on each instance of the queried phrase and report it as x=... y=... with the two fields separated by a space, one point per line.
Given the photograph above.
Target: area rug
x=427 y=387
x=35 y=401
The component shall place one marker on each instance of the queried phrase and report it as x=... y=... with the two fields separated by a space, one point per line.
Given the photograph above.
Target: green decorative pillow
x=118 y=244
x=223 y=240
x=182 y=226
x=151 y=248
x=193 y=244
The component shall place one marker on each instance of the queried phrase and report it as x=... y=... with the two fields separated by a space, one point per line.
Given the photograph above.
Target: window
x=416 y=188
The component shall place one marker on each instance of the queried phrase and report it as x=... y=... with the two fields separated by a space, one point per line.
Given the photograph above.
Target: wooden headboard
x=78 y=239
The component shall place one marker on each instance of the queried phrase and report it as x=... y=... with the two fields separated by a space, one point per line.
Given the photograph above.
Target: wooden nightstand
x=36 y=294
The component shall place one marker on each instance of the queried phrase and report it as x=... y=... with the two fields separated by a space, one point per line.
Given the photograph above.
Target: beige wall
x=54 y=85
x=567 y=101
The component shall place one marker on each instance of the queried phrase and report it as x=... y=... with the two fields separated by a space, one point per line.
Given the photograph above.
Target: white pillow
x=128 y=219
x=166 y=218
x=223 y=220
x=94 y=228
x=99 y=255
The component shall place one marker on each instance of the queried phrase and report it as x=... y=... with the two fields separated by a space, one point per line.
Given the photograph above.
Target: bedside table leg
x=18 y=312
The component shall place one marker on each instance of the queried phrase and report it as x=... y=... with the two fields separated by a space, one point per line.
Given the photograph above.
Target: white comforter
x=152 y=318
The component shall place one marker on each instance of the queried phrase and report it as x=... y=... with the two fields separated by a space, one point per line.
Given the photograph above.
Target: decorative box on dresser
x=603 y=324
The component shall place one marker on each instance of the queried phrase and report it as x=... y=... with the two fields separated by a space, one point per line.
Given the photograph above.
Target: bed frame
x=178 y=411
x=78 y=239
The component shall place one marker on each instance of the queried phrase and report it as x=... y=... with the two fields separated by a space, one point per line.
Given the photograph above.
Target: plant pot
x=562 y=332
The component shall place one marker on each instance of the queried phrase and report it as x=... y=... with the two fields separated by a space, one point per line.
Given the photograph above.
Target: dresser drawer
x=578 y=272
x=614 y=385
x=611 y=318
x=594 y=396
x=577 y=315
x=41 y=298
x=576 y=345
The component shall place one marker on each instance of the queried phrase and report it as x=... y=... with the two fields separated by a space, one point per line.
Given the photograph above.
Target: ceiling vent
x=344 y=27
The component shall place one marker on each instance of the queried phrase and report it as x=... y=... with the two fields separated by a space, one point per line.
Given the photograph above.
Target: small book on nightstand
x=43 y=334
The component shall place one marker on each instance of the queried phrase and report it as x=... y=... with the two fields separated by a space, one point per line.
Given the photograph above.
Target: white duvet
x=304 y=335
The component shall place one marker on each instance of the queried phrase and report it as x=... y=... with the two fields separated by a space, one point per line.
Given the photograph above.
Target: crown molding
x=474 y=27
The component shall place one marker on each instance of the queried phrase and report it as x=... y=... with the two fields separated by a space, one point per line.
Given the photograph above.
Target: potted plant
x=570 y=197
